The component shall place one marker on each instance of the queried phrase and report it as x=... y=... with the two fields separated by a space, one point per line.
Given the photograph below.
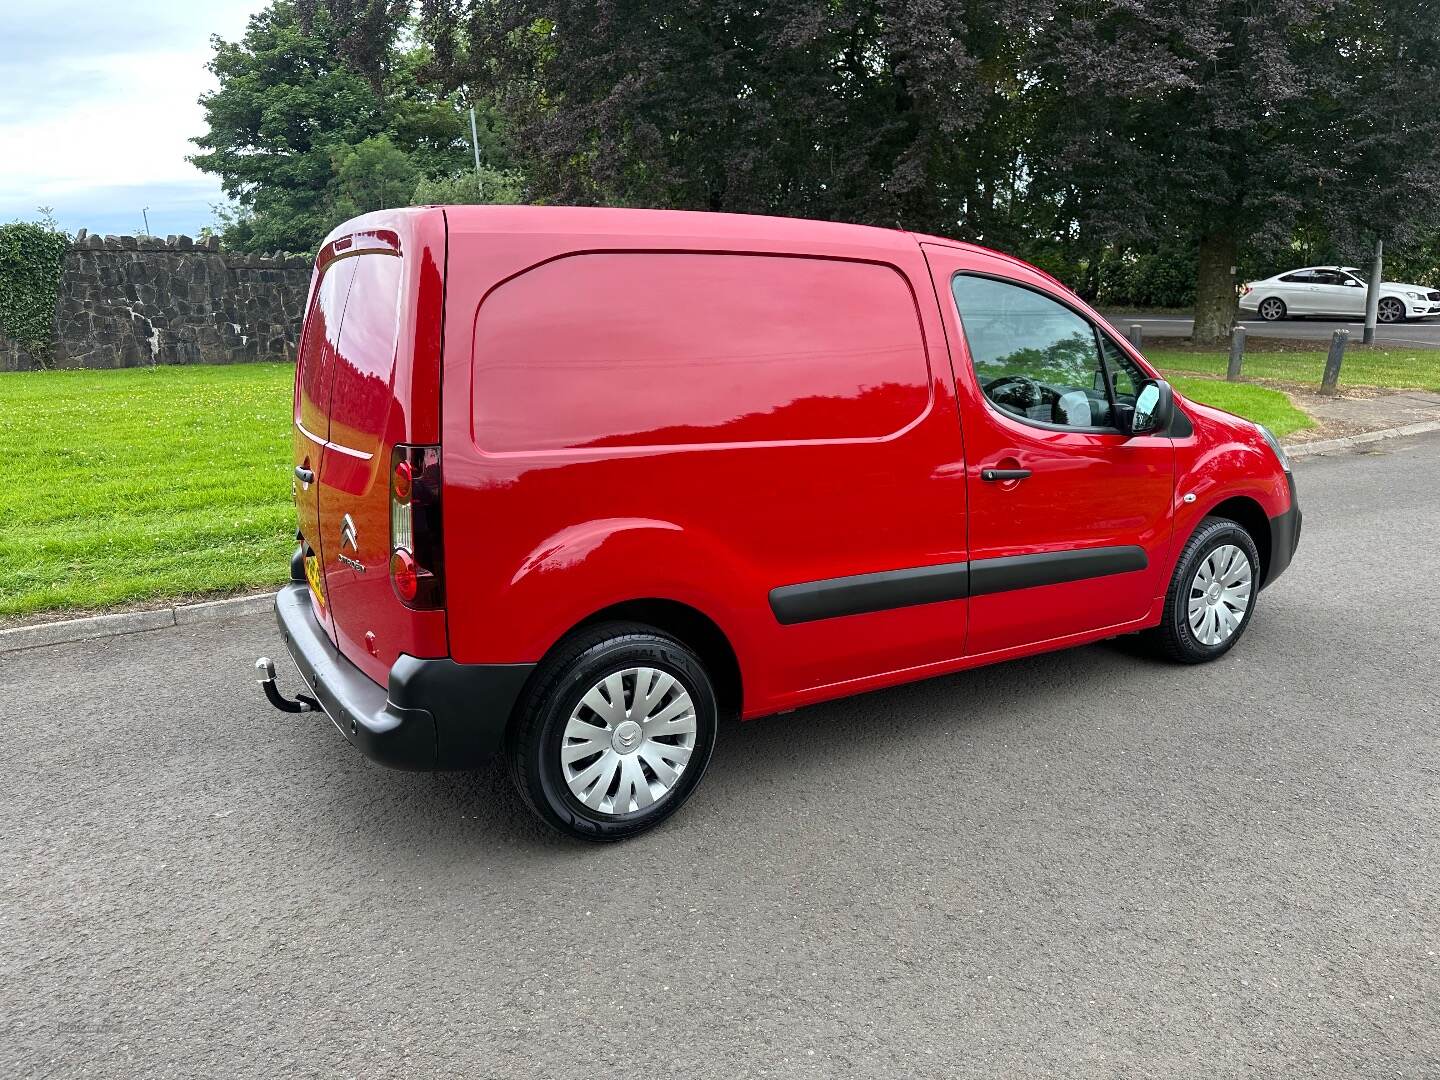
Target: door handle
x=991 y=476
x=304 y=475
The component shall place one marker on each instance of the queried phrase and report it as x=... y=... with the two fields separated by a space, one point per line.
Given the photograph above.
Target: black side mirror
x=1154 y=409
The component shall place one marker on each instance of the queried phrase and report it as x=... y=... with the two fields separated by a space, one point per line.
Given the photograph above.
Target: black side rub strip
x=1052 y=568
x=862 y=593
x=869 y=592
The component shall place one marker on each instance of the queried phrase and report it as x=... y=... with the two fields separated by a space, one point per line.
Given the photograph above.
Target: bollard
x=1237 y=353
x=1134 y=335
x=1329 y=384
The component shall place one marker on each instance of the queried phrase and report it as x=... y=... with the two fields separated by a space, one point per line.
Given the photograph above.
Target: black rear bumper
x=1284 y=536
x=434 y=714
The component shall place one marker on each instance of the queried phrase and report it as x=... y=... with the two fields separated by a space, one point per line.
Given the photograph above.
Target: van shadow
x=477 y=814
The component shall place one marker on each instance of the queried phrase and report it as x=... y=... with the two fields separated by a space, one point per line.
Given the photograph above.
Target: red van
x=571 y=483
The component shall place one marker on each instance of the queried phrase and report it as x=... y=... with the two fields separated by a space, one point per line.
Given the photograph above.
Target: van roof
x=697 y=226
x=689 y=224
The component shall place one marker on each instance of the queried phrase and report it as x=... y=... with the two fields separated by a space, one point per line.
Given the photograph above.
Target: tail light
x=416 y=552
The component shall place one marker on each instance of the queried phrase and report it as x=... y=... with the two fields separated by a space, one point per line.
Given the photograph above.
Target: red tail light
x=416 y=550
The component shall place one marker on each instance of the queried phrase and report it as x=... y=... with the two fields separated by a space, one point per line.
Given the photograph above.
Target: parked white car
x=1335 y=291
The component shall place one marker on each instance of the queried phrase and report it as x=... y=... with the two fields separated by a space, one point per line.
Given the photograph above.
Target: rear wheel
x=1272 y=309
x=614 y=733
x=1212 y=593
x=1390 y=310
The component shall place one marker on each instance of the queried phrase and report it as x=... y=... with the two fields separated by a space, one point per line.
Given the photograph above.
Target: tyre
x=1212 y=594
x=1390 y=310
x=614 y=732
x=1272 y=309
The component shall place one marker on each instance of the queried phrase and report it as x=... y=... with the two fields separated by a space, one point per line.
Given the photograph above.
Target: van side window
x=663 y=349
x=1035 y=359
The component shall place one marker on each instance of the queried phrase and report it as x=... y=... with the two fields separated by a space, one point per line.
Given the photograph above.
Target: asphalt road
x=1083 y=865
x=1423 y=333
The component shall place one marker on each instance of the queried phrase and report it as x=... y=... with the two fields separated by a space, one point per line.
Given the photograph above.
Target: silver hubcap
x=1271 y=309
x=1220 y=595
x=1390 y=311
x=628 y=740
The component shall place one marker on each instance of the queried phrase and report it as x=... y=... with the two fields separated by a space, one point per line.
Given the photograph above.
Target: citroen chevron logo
x=350 y=538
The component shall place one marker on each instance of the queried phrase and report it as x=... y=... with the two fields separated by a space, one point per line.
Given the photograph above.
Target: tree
x=319 y=113
x=370 y=176
x=860 y=110
x=486 y=186
x=284 y=102
x=1231 y=122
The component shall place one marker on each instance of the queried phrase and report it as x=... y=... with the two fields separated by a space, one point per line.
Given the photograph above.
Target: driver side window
x=1035 y=359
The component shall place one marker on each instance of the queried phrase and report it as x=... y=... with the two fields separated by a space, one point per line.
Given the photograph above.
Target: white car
x=1334 y=291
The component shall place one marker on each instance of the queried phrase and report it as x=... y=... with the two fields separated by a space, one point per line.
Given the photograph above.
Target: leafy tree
x=857 y=109
x=284 y=102
x=319 y=113
x=486 y=186
x=370 y=176
x=1234 y=123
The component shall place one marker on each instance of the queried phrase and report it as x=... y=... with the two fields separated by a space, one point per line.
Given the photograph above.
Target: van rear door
x=313 y=378
x=374 y=396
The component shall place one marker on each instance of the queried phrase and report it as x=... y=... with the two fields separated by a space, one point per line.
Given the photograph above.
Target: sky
x=97 y=106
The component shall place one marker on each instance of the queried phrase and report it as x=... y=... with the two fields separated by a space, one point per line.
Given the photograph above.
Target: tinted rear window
x=365 y=359
x=671 y=349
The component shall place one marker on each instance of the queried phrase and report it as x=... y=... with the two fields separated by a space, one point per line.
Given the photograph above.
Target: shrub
x=31 y=254
x=486 y=186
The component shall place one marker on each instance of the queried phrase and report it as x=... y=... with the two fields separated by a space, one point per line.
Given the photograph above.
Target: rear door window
x=365 y=359
x=317 y=349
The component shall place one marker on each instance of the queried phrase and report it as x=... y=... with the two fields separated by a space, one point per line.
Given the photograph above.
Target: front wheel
x=1212 y=593
x=1390 y=310
x=614 y=732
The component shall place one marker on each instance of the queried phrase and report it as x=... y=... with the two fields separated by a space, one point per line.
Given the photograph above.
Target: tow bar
x=302 y=702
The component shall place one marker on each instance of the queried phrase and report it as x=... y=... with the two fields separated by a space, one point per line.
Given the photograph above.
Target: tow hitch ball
x=302 y=703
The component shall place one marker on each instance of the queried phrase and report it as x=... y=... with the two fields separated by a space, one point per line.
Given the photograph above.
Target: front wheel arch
x=1250 y=516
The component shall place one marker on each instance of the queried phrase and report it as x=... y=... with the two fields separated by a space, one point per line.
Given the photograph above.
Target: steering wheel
x=1034 y=395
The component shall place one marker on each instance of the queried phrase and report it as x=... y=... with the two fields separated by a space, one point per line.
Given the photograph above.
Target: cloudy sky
x=97 y=104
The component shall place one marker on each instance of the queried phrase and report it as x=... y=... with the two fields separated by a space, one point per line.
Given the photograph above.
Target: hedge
x=30 y=259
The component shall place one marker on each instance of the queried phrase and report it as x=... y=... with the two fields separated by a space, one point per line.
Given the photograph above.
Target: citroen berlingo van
x=573 y=483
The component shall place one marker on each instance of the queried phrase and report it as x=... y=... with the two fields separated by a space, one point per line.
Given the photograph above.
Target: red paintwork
x=571 y=486
x=383 y=388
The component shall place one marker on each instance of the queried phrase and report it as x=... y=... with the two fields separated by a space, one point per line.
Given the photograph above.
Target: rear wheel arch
x=686 y=624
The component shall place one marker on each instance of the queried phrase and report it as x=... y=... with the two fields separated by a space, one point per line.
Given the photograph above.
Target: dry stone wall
x=130 y=301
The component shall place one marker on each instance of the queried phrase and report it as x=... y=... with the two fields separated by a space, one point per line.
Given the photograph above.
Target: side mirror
x=1154 y=408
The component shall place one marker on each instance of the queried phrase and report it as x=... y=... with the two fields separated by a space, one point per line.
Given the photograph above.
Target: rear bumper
x=1284 y=536
x=434 y=714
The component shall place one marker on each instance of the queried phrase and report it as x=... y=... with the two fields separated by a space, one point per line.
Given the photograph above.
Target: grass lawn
x=1403 y=369
x=163 y=483
x=134 y=485
x=1264 y=406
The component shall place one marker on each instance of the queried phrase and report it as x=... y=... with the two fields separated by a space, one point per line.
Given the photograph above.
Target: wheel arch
x=688 y=625
x=1250 y=515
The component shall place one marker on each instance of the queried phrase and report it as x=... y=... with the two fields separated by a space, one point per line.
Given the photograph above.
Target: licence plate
x=316 y=579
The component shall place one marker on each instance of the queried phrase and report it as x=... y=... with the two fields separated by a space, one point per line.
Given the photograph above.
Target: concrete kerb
x=1325 y=445
x=130 y=622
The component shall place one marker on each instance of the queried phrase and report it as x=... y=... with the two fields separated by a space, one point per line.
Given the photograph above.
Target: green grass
x=124 y=486
x=1403 y=369
x=1264 y=406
